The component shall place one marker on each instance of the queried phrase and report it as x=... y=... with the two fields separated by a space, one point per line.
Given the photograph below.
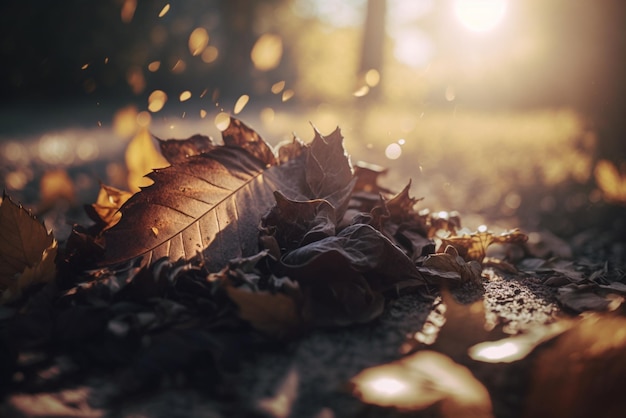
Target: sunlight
x=387 y=386
x=480 y=15
x=496 y=352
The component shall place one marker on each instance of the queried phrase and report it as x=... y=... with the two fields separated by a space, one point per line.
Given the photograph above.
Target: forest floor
x=533 y=170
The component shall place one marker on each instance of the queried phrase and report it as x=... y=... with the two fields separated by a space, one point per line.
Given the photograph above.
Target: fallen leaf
x=27 y=250
x=176 y=150
x=209 y=206
x=451 y=267
x=420 y=380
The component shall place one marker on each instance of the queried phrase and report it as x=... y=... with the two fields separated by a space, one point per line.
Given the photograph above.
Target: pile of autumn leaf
x=233 y=246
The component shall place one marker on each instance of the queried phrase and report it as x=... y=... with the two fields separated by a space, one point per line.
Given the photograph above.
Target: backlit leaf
x=27 y=250
x=209 y=205
x=141 y=158
x=107 y=206
x=176 y=151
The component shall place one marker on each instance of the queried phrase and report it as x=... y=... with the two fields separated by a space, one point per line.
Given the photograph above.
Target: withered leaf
x=239 y=135
x=27 y=250
x=176 y=151
x=363 y=249
x=290 y=150
x=296 y=223
x=209 y=206
x=450 y=266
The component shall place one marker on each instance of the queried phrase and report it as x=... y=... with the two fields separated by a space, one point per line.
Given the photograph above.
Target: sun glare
x=480 y=15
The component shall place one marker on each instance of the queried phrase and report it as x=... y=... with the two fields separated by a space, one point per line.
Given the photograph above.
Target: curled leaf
x=176 y=151
x=451 y=267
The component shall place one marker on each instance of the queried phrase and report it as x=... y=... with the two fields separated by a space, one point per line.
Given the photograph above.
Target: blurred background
x=508 y=111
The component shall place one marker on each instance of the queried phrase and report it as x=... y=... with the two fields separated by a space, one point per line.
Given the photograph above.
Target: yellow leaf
x=141 y=158
x=27 y=250
x=108 y=204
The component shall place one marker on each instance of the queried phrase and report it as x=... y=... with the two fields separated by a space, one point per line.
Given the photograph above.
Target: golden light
x=202 y=113
x=198 y=41
x=387 y=386
x=361 y=91
x=267 y=52
x=480 y=15
x=179 y=67
x=128 y=10
x=156 y=100
x=241 y=103
x=495 y=352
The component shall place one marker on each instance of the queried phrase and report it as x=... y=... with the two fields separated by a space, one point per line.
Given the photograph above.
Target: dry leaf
x=209 y=206
x=27 y=250
x=423 y=379
x=141 y=158
x=451 y=267
x=176 y=151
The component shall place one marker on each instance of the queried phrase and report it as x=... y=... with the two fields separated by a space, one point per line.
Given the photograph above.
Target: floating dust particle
x=361 y=91
x=184 y=96
x=202 y=113
x=198 y=41
x=241 y=103
x=128 y=10
x=179 y=67
x=288 y=94
x=154 y=66
x=393 y=151
x=156 y=100
x=222 y=121
x=209 y=54
x=278 y=87
x=155 y=231
x=85 y=66
x=372 y=77
x=164 y=10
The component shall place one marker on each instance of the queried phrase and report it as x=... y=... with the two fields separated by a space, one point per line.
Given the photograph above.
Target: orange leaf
x=141 y=158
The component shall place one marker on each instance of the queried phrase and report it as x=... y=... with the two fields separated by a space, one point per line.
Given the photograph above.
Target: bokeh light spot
x=267 y=52
x=198 y=41
x=184 y=96
x=222 y=121
x=156 y=100
x=393 y=151
x=241 y=103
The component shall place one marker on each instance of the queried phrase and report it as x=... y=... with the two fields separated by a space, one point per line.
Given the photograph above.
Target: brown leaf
x=27 y=250
x=176 y=151
x=328 y=168
x=449 y=265
x=209 y=206
x=240 y=136
x=367 y=178
x=420 y=380
x=290 y=150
